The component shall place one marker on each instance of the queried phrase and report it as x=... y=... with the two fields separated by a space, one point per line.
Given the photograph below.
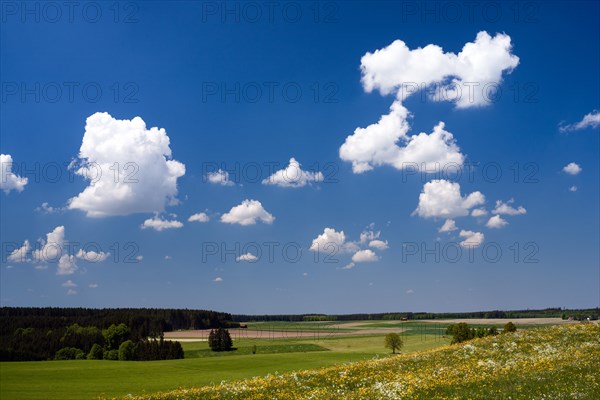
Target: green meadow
x=86 y=379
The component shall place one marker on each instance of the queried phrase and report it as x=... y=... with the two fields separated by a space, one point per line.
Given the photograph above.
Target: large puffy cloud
x=442 y=199
x=463 y=78
x=129 y=168
x=503 y=208
x=293 y=176
x=572 y=168
x=9 y=180
x=52 y=248
x=247 y=213
x=159 y=224
x=377 y=145
x=591 y=120
x=396 y=68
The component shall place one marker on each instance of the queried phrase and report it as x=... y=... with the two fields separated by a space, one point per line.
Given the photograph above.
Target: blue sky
x=193 y=69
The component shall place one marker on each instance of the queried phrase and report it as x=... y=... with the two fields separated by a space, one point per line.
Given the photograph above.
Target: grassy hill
x=549 y=363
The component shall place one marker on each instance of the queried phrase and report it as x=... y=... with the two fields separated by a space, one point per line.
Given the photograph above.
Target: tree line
x=30 y=334
x=114 y=343
x=555 y=312
x=462 y=332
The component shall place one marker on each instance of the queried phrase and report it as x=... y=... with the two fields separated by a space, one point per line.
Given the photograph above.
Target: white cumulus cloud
x=129 y=168
x=293 y=176
x=69 y=283
x=9 y=180
x=332 y=241
x=66 y=265
x=471 y=239
x=21 y=254
x=379 y=244
x=369 y=235
x=507 y=208
x=366 y=255
x=51 y=249
x=199 y=217
x=479 y=63
x=572 y=169
x=442 y=199
x=496 y=222
x=159 y=224
x=449 y=226
x=478 y=212
x=219 y=177
x=247 y=257
x=247 y=213
x=397 y=70
x=573 y=188
x=92 y=256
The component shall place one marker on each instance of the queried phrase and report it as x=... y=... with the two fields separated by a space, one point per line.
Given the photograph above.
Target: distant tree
x=115 y=335
x=509 y=327
x=24 y=331
x=461 y=333
x=69 y=353
x=220 y=340
x=394 y=342
x=480 y=332
x=126 y=351
x=96 y=352
x=493 y=331
x=81 y=337
x=111 y=355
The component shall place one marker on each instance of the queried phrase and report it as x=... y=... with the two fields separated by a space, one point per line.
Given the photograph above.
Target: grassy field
x=90 y=379
x=547 y=363
x=201 y=367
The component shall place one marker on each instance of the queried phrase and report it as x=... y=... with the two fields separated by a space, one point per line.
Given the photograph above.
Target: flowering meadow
x=550 y=363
